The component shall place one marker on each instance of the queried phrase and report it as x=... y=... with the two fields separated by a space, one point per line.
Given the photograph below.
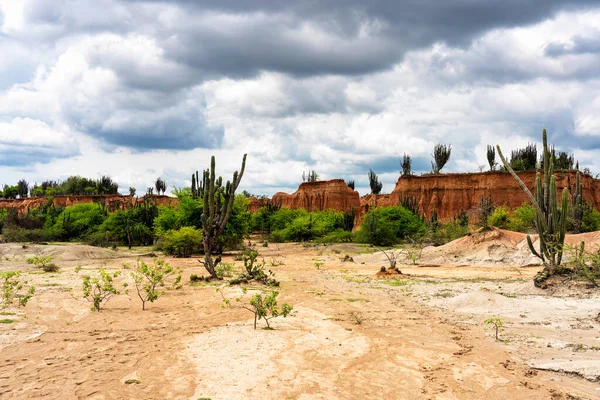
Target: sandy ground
x=351 y=334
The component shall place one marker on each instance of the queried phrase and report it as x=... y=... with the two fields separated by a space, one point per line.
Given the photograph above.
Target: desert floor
x=352 y=334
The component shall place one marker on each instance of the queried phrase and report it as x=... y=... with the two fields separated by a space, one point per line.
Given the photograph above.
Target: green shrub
x=591 y=219
x=338 y=236
x=306 y=226
x=522 y=218
x=16 y=234
x=500 y=218
x=385 y=226
x=181 y=243
x=448 y=232
x=76 y=221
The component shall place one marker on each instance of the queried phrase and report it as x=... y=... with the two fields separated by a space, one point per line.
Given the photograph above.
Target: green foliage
x=182 y=242
x=266 y=307
x=497 y=325
x=500 y=218
x=23 y=188
x=99 y=289
x=374 y=183
x=590 y=221
x=305 y=226
x=447 y=232
x=10 y=192
x=350 y=184
x=254 y=271
x=77 y=221
x=491 y=157
x=151 y=280
x=524 y=159
x=406 y=165
x=337 y=236
x=385 y=226
x=14 y=288
x=522 y=218
x=441 y=155
x=462 y=218
x=43 y=262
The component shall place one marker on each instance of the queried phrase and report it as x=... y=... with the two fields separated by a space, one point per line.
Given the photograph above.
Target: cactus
x=216 y=209
x=551 y=222
x=577 y=205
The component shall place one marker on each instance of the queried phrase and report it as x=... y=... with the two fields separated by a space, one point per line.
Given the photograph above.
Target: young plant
x=319 y=264
x=497 y=324
x=44 y=262
x=150 y=280
x=262 y=307
x=392 y=258
x=13 y=288
x=99 y=289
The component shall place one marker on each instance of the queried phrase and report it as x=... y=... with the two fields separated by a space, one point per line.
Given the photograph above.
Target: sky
x=140 y=89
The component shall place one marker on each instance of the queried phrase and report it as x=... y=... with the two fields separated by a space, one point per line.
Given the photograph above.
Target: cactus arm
x=532 y=249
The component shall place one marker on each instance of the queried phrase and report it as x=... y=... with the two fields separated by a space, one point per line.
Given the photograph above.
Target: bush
x=522 y=218
x=307 y=226
x=384 y=226
x=78 y=220
x=500 y=218
x=591 y=219
x=181 y=243
x=448 y=232
x=338 y=236
x=16 y=234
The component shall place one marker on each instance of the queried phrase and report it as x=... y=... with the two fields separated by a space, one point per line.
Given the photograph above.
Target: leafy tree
x=441 y=155
x=78 y=220
x=150 y=280
x=406 y=165
x=10 y=192
x=99 y=289
x=131 y=191
x=262 y=307
x=491 y=157
x=160 y=185
x=106 y=185
x=524 y=159
x=23 y=188
x=374 y=183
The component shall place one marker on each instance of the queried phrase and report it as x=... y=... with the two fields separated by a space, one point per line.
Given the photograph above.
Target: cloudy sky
x=140 y=89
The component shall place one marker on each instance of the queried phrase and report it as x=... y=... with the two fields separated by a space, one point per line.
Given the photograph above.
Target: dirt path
x=186 y=346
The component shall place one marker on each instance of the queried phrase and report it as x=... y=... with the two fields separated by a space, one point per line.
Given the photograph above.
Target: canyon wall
x=111 y=202
x=449 y=193
x=322 y=195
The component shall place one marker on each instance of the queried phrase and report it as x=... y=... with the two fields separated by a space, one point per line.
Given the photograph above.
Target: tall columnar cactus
x=577 y=204
x=551 y=222
x=216 y=209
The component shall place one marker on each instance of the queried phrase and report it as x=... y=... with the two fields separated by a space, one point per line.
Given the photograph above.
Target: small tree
x=311 y=177
x=406 y=165
x=497 y=324
x=131 y=191
x=160 y=185
x=491 y=157
x=216 y=209
x=22 y=188
x=14 y=288
x=99 y=289
x=441 y=155
x=374 y=183
x=262 y=307
x=350 y=184
x=485 y=210
x=149 y=279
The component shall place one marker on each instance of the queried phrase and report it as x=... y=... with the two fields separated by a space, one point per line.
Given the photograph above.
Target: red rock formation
x=449 y=193
x=323 y=195
x=112 y=202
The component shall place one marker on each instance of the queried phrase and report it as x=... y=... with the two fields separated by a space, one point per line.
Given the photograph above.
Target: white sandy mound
x=483 y=248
